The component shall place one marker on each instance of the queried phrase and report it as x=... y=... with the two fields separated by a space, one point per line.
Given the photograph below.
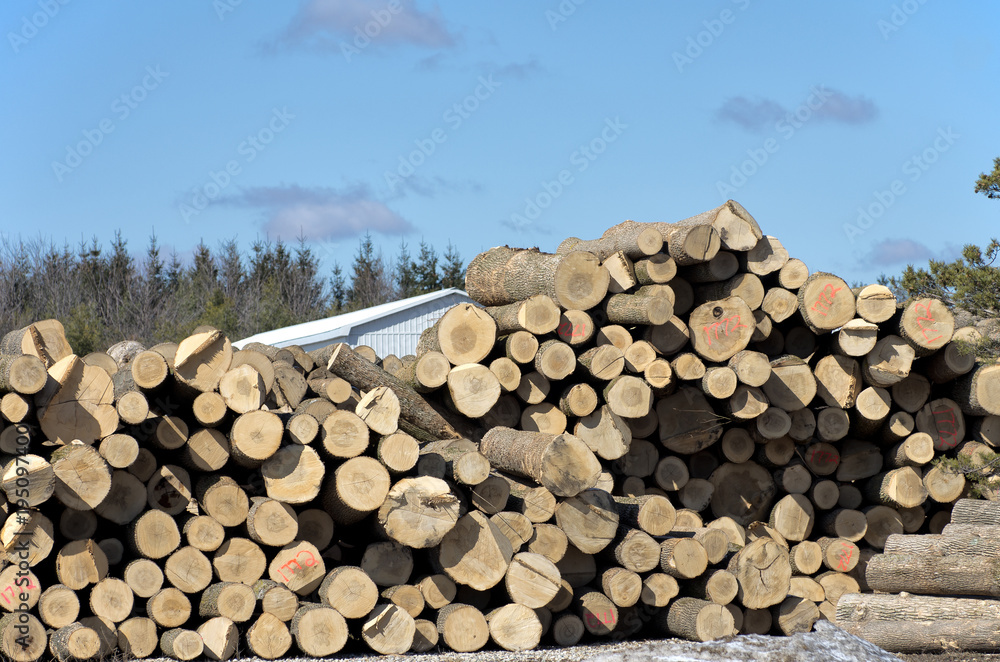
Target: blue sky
x=852 y=131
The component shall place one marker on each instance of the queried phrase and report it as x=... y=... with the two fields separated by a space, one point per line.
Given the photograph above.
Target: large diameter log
x=532 y=580
x=934 y=575
x=764 y=573
x=298 y=566
x=927 y=325
x=687 y=422
x=202 y=359
x=742 y=491
x=826 y=302
x=514 y=627
x=918 y=636
x=418 y=512
x=76 y=402
x=364 y=375
x=475 y=552
x=239 y=560
x=474 y=389
x=45 y=339
x=720 y=329
x=294 y=474
x=137 y=637
x=464 y=334
x=876 y=303
x=589 y=519
x=575 y=281
x=563 y=464
x=978 y=392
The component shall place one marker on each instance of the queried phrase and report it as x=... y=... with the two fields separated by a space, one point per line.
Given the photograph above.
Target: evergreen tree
x=425 y=270
x=370 y=284
x=453 y=271
x=338 y=291
x=404 y=273
x=989 y=185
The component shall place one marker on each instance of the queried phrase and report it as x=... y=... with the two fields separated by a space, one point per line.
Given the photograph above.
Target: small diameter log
x=934 y=575
x=181 y=644
x=876 y=303
x=271 y=522
x=793 y=517
x=209 y=409
x=943 y=421
x=223 y=499
x=356 y=488
x=745 y=286
x=563 y=464
x=555 y=360
x=856 y=338
x=902 y=487
x=796 y=614
x=718 y=586
x=888 y=362
x=538 y=315
x=532 y=580
x=462 y=628
x=231 y=600
x=791 y=384
x=838 y=380
x=239 y=560
x=83 y=478
x=507 y=372
x=576 y=328
x=74 y=642
x=696 y=620
x=949 y=363
x=294 y=474
x=514 y=627
x=604 y=362
x=254 y=437
x=629 y=309
x=519 y=347
x=578 y=400
x=219 y=637
x=399 y=452
x=58 y=606
x=428 y=373
x=169 y=608
x=589 y=520
x=24 y=374
x=683 y=558
x=656 y=269
x=763 y=571
x=719 y=329
x=137 y=637
x=826 y=302
x=653 y=514
x=605 y=433
x=721 y=267
x=379 y=409
x=319 y=631
x=268 y=637
x=243 y=389
x=202 y=359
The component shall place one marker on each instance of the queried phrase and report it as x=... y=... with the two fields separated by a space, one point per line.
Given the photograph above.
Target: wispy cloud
x=320 y=213
x=838 y=107
x=894 y=252
x=520 y=70
x=326 y=24
x=823 y=104
x=751 y=114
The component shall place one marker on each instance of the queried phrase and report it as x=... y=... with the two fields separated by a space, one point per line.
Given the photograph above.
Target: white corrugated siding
x=396 y=333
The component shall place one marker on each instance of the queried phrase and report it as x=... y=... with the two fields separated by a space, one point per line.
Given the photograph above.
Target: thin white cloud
x=321 y=214
x=327 y=24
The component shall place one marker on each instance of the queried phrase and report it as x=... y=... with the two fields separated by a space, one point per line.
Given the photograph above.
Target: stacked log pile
x=674 y=429
x=917 y=578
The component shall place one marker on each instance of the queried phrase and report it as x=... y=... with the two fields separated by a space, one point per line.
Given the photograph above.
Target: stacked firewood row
x=916 y=578
x=674 y=429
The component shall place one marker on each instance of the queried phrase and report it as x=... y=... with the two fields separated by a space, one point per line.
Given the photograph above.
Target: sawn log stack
x=672 y=430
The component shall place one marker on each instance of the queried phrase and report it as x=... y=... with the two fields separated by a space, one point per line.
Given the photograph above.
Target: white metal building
x=391 y=328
